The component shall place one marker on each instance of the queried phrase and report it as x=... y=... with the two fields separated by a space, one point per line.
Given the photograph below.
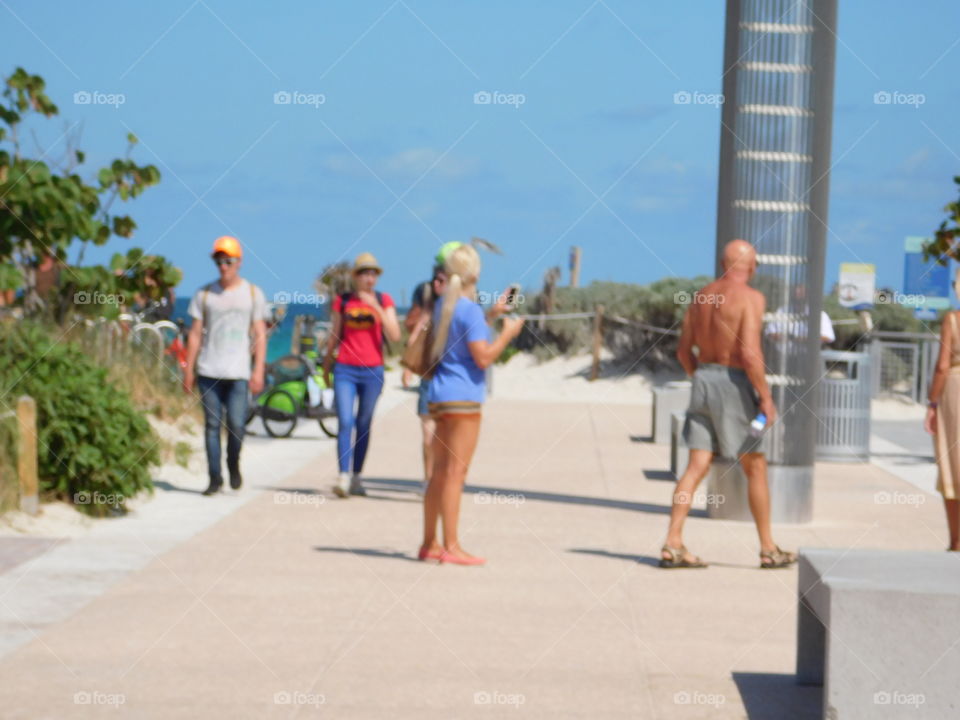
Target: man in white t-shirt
x=227 y=314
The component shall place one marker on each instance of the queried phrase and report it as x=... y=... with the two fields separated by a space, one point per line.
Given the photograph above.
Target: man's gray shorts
x=722 y=406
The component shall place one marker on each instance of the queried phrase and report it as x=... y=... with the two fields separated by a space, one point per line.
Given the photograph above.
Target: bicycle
x=287 y=398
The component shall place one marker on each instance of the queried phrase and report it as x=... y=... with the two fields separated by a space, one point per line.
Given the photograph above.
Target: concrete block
x=879 y=630
x=672 y=397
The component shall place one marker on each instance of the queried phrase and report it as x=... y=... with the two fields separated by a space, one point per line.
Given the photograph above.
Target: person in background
x=360 y=320
x=795 y=328
x=226 y=314
x=462 y=350
x=421 y=311
x=943 y=421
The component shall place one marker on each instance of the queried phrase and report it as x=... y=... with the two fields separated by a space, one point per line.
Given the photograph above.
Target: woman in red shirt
x=360 y=319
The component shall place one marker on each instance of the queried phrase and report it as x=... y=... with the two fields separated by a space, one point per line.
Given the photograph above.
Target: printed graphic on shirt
x=359 y=318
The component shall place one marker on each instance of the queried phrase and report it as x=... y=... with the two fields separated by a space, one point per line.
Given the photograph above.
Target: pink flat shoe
x=425 y=555
x=446 y=557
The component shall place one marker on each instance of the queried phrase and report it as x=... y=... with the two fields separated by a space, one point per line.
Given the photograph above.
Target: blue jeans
x=215 y=395
x=351 y=383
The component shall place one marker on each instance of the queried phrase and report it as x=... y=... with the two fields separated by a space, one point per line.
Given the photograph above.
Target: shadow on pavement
x=170 y=487
x=665 y=475
x=906 y=458
x=654 y=561
x=386 y=483
x=640 y=559
x=368 y=552
x=768 y=696
x=641 y=439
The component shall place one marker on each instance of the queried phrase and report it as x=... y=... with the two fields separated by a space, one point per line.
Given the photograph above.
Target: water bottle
x=758 y=425
x=313 y=388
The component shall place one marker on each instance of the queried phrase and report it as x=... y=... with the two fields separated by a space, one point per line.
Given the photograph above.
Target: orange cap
x=227 y=245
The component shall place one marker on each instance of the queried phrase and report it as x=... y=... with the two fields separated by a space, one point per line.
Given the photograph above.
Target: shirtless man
x=729 y=388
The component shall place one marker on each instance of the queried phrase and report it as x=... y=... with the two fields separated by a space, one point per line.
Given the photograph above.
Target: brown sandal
x=777 y=558
x=678 y=559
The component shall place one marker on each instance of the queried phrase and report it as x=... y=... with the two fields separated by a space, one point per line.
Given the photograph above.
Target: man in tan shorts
x=729 y=389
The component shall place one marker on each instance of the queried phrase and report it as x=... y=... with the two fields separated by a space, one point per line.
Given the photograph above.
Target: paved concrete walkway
x=300 y=605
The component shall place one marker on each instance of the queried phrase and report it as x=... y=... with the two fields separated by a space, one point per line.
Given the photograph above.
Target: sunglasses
x=225 y=261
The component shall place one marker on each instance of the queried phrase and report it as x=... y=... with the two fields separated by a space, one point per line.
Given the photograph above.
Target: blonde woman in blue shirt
x=462 y=351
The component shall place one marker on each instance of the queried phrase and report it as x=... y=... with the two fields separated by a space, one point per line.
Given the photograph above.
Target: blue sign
x=925 y=279
x=926 y=314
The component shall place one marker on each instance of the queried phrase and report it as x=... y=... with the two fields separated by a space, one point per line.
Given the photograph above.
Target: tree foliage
x=45 y=209
x=944 y=244
x=335 y=279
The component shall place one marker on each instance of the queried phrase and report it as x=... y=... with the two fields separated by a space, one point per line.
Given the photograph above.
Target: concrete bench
x=880 y=630
x=679 y=453
x=672 y=397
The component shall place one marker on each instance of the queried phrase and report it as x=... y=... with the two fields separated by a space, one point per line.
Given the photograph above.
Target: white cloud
x=416 y=161
x=916 y=160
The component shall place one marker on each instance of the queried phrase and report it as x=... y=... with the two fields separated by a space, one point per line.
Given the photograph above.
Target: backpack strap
x=253 y=302
x=203 y=303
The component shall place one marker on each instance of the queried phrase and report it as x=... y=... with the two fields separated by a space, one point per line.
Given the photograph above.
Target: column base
x=791 y=493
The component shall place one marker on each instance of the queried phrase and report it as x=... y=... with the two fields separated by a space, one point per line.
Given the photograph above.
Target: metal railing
x=903 y=363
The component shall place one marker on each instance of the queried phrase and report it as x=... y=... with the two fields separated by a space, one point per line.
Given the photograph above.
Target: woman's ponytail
x=463 y=270
x=450 y=297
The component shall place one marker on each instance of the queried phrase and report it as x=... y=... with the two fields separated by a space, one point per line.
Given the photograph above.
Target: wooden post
x=597 y=342
x=295 y=335
x=576 y=255
x=27 y=454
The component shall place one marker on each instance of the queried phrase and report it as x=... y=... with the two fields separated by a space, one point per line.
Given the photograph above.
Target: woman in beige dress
x=943 y=421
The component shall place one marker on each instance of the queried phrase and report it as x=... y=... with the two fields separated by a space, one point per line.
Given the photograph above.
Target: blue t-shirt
x=457 y=377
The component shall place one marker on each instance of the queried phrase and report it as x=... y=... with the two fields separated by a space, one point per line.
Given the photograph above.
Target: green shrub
x=94 y=447
x=9 y=484
x=658 y=305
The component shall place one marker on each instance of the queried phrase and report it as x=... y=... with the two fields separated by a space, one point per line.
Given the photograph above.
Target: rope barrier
x=559 y=316
x=643 y=326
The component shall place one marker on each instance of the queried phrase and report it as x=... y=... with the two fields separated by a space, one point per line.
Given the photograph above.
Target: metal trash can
x=843 y=433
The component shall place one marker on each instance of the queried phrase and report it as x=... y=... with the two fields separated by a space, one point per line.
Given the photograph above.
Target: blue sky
x=398 y=158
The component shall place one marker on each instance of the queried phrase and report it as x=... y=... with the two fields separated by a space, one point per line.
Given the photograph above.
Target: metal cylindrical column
x=773 y=191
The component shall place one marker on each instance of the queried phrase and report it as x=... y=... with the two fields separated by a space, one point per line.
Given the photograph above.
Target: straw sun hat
x=366 y=261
